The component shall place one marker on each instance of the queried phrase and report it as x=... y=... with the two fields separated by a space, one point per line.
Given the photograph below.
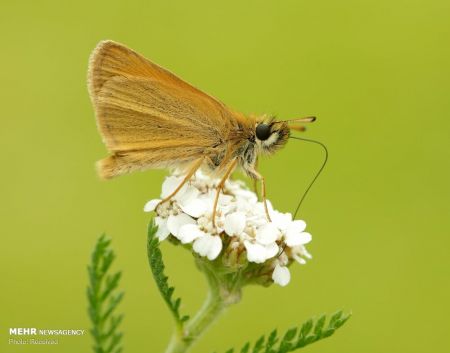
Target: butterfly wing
x=148 y=117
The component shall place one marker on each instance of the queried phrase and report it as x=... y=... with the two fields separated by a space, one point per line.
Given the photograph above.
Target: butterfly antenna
x=316 y=175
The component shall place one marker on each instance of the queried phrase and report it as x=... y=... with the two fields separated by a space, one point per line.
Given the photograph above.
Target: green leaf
x=258 y=345
x=271 y=341
x=306 y=328
x=103 y=299
x=295 y=338
x=157 y=266
x=319 y=326
x=246 y=348
x=286 y=343
x=336 y=317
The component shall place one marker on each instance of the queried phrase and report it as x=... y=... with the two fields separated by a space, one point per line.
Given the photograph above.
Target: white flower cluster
x=241 y=222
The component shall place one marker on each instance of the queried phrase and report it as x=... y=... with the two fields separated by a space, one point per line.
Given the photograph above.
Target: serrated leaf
x=335 y=317
x=246 y=348
x=157 y=267
x=295 y=338
x=271 y=341
x=103 y=300
x=328 y=332
x=319 y=325
x=290 y=334
x=306 y=327
x=258 y=345
x=114 y=301
x=286 y=344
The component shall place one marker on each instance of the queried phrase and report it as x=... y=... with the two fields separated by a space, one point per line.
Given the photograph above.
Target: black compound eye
x=263 y=132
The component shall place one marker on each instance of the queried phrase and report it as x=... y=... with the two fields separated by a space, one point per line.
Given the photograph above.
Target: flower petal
x=189 y=232
x=189 y=193
x=162 y=232
x=174 y=223
x=281 y=275
x=255 y=252
x=151 y=205
x=295 y=239
x=301 y=250
x=299 y=259
x=224 y=199
x=295 y=235
x=215 y=248
x=267 y=234
x=281 y=220
x=262 y=209
x=208 y=245
x=234 y=223
x=296 y=226
x=195 y=208
x=271 y=250
x=245 y=195
x=170 y=185
x=256 y=220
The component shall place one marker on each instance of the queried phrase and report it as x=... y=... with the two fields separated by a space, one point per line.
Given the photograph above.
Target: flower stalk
x=218 y=299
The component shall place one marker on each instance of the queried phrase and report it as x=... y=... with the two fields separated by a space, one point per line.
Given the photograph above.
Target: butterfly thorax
x=245 y=145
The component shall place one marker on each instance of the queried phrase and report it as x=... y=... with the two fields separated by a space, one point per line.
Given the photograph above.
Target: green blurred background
x=376 y=73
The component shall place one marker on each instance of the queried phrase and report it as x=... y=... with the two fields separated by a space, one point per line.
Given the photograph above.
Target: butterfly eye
x=263 y=132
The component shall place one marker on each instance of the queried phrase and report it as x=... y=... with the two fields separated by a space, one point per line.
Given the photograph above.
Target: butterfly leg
x=220 y=187
x=256 y=176
x=188 y=176
x=263 y=191
x=255 y=182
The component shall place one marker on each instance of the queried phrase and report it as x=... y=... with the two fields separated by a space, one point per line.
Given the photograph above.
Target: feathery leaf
x=157 y=266
x=295 y=338
x=103 y=299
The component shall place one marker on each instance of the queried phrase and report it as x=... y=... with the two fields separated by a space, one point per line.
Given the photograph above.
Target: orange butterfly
x=149 y=119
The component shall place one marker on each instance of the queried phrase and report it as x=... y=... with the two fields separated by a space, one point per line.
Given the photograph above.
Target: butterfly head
x=271 y=135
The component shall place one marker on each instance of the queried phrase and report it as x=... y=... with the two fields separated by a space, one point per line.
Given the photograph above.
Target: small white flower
x=174 y=223
x=295 y=234
x=240 y=217
x=299 y=253
x=305 y=252
x=190 y=202
x=162 y=232
x=206 y=224
x=256 y=220
x=299 y=259
x=255 y=252
x=170 y=185
x=267 y=234
x=271 y=250
x=187 y=197
x=281 y=220
x=261 y=210
x=151 y=205
x=244 y=194
x=189 y=232
x=281 y=275
x=234 y=223
x=208 y=245
x=194 y=208
x=259 y=253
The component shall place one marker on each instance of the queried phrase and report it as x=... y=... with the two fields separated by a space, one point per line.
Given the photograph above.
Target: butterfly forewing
x=148 y=117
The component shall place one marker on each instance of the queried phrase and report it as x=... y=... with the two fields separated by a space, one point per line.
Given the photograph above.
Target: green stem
x=218 y=299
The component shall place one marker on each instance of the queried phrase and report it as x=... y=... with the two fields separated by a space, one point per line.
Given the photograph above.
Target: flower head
x=241 y=235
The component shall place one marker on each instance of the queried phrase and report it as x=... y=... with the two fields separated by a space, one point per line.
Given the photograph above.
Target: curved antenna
x=317 y=174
